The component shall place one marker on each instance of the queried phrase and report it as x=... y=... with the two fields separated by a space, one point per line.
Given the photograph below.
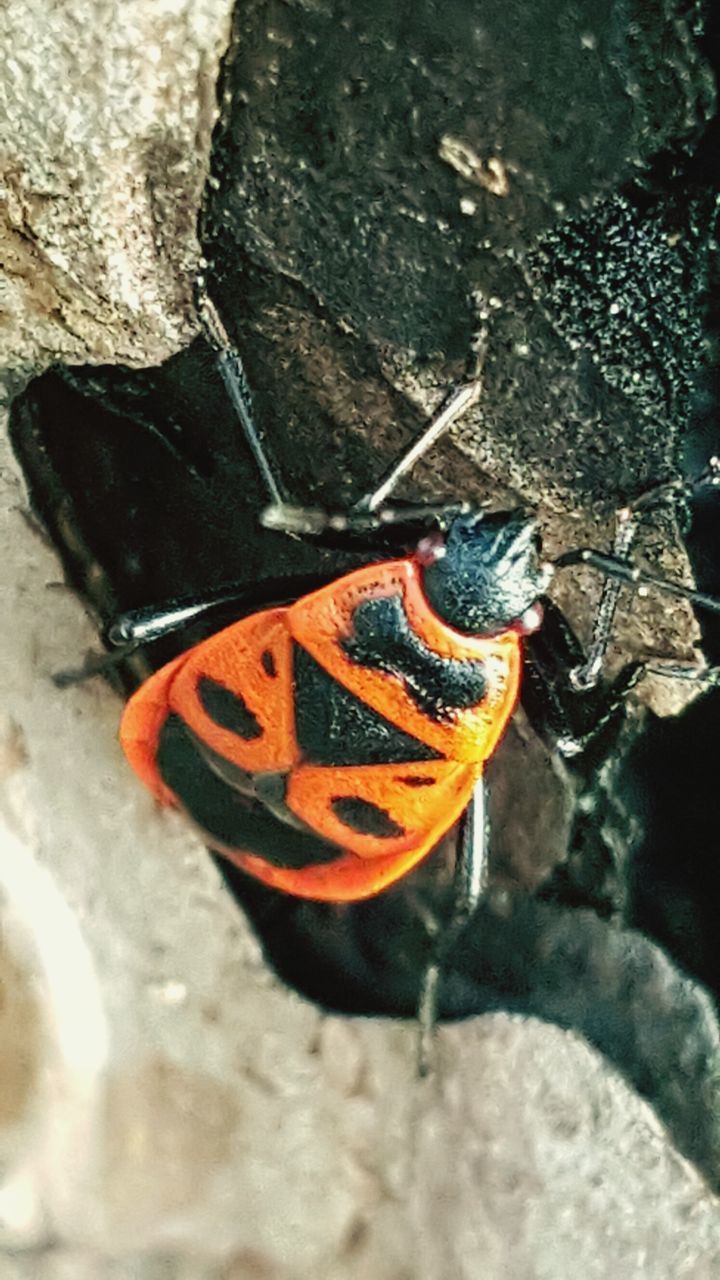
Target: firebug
x=325 y=743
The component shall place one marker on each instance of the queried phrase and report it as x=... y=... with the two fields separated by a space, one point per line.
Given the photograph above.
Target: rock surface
x=106 y=112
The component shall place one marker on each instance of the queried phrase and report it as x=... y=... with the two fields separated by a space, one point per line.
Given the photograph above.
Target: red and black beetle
x=327 y=743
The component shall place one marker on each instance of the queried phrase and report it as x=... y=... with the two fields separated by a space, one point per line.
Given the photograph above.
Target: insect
x=326 y=742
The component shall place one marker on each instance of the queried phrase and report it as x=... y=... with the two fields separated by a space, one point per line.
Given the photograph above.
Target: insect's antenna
x=236 y=384
x=452 y=408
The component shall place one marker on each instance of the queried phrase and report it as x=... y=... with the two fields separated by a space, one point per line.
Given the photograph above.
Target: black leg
x=567 y=716
x=469 y=885
x=228 y=602
x=369 y=517
x=620 y=571
x=200 y=614
x=236 y=385
x=623 y=572
x=675 y=670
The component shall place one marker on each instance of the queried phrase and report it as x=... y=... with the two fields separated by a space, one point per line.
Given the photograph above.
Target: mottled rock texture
x=106 y=110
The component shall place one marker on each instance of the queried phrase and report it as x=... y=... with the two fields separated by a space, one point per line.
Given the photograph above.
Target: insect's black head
x=487 y=574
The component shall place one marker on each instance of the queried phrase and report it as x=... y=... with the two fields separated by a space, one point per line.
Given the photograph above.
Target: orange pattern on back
x=321 y=621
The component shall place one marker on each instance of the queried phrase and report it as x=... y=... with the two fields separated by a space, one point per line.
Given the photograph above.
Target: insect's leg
x=136 y=628
x=306 y=522
x=682 y=671
x=237 y=387
x=452 y=408
x=564 y=716
x=586 y=675
x=309 y=522
x=568 y=717
x=229 y=601
x=672 y=493
x=614 y=699
x=628 y=574
x=560 y=714
x=94 y=664
x=469 y=885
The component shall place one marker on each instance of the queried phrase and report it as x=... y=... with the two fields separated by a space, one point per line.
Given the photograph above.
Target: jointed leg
x=366 y=515
x=236 y=384
x=586 y=675
x=137 y=628
x=468 y=887
x=619 y=570
x=571 y=717
x=568 y=718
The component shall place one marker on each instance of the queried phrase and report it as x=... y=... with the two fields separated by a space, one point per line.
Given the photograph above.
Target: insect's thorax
x=375 y=634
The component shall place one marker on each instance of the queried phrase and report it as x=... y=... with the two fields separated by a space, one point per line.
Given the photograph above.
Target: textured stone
x=106 y=111
x=384 y=190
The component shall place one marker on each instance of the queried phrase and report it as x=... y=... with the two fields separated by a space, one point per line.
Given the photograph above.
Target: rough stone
x=106 y=112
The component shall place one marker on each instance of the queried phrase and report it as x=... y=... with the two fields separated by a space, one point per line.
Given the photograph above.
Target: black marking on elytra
x=269 y=788
x=334 y=727
x=268 y=661
x=241 y=780
x=228 y=709
x=229 y=818
x=383 y=639
x=417 y=780
x=365 y=818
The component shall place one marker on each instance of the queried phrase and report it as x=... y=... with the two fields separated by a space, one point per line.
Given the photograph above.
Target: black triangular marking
x=334 y=727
